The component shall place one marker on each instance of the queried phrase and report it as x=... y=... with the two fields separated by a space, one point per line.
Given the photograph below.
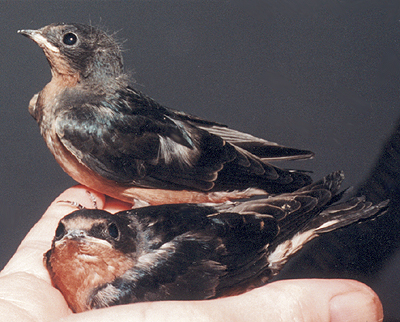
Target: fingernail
x=357 y=306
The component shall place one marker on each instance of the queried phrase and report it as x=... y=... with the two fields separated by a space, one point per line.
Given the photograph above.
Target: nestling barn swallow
x=191 y=251
x=114 y=139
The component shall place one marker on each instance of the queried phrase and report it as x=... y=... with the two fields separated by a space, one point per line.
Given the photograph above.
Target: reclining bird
x=192 y=251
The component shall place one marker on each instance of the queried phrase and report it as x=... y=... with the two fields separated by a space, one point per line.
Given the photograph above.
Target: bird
x=114 y=139
x=193 y=251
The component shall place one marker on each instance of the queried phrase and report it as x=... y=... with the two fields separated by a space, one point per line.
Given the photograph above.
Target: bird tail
x=333 y=214
x=346 y=213
x=316 y=195
x=354 y=210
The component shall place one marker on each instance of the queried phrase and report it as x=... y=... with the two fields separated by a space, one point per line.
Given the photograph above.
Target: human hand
x=26 y=293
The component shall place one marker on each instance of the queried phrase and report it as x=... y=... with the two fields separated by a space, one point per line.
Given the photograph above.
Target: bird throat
x=78 y=267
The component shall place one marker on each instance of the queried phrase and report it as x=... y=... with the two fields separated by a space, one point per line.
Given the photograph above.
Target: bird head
x=78 y=49
x=90 y=248
x=97 y=228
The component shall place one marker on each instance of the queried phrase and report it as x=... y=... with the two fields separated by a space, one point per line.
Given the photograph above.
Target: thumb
x=320 y=300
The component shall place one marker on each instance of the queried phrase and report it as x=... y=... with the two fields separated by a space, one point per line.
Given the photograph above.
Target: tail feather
x=322 y=209
x=304 y=214
x=341 y=215
x=331 y=182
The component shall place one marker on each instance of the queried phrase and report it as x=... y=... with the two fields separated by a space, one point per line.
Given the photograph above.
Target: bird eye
x=70 y=39
x=113 y=230
x=60 y=231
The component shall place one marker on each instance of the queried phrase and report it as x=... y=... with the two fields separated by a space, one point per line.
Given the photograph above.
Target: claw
x=93 y=199
x=72 y=204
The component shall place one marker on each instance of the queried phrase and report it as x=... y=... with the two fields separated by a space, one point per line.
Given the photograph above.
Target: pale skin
x=26 y=293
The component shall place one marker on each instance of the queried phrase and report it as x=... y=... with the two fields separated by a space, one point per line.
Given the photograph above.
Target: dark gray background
x=320 y=75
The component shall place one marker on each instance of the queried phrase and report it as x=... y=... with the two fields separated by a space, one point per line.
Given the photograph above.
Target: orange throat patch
x=77 y=267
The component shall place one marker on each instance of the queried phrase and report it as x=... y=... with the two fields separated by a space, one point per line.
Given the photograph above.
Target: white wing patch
x=329 y=223
x=170 y=152
x=282 y=253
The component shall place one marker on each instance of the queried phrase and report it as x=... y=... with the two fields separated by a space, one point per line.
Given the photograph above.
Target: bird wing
x=174 y=248
x=265 y=150
x=185 y=250
x=178 y=270
x=131 y=139
x=306 y=213
x=146 y=146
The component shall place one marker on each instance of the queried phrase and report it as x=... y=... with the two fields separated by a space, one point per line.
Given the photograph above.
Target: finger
x=29 y=255
x=113 y=205
x=25 y=297
x=320 y=300
x=25 y=288
x=356 y=305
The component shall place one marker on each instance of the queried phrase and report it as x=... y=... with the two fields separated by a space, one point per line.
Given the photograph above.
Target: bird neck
x=103 y=84
x=63 y=79
x=104 y=64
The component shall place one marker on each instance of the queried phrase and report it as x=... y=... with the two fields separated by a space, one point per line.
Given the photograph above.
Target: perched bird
x=191 y=251
x=114 y=139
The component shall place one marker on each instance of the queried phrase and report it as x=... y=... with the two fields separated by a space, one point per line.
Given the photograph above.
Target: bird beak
x=81 y=236
x=76 y=234
x=37 y=37
x=28 y=32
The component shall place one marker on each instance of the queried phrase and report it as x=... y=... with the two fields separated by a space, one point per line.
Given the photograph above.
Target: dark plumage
x=191 y=251
x=114 y=139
